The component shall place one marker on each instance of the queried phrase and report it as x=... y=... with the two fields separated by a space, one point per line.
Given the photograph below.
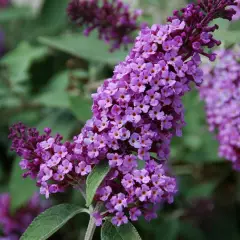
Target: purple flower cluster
x=135 y=115
x=131 y=193
x=46 y=159
x=112 y=18
x=4 y=3
x=13 y=225
x=139 y=110
x=56 y=166
x=221 y=93
x=237 y=9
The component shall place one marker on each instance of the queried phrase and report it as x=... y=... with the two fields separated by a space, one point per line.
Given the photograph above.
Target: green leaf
x=198 y=145
x=55 y=94
x=235 y=26
x=124 y=232
x=169 y=229
x=81 y=107
x=59 y=121
x=20 y=59
x=202 y=190
x=50 y=221
x=58 y=82
x=89 y=48
x=54 y=14
x=229 y=37
x=94 y=180
x=18 y=184
x=50 y=20
x=80 y=73
x=55 y=99
x=222 y=23
x=14 y=13
x=189 y=232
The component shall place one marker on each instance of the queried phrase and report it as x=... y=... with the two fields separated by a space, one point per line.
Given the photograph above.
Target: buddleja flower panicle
x=220 y=91
x=136 y=113
x=45 y=158
x=113 y=19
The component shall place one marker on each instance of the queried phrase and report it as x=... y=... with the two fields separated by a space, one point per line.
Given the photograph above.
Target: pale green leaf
x=17 y=184
x=80 y=73
x=14 y=13
x=55 y=99
x=94 y=180
x=89 y=48
x=20 y=59
x=58 y=82
x=55 y=94
x=81 y=107
x=235 y=26
x=229 y=37
x=124 y=232
x=222 y=23
x=50 y=221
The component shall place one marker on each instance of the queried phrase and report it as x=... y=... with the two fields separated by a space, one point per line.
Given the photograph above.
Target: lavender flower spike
x=221 y=93
x=112 y=18
x=135 y=115
x=46 y=159
x=138 y=111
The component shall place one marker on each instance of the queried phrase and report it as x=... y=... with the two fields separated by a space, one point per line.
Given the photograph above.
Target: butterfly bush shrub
x=136 y=113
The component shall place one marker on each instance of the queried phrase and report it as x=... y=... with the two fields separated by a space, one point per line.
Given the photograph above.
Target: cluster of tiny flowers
x=46 y=159
x=139 y=110
x=4 y=3
x=135 y=115
x=13 y=225
x=113 y=19
x=135 y=192
x=237 y=9
x=221 y=93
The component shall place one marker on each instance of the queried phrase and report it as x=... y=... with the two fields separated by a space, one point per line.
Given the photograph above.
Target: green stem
x=91 y=229
x=91 y=225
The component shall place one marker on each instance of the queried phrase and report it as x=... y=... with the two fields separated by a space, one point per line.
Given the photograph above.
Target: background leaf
x=59 y=121
x=19 y=60
x=81 y=107
x=21 y=189
x=14 y=13
x=169 y=229
x=89 y=48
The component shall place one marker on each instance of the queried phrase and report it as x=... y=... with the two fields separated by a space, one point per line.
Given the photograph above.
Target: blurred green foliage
x=46 y=80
